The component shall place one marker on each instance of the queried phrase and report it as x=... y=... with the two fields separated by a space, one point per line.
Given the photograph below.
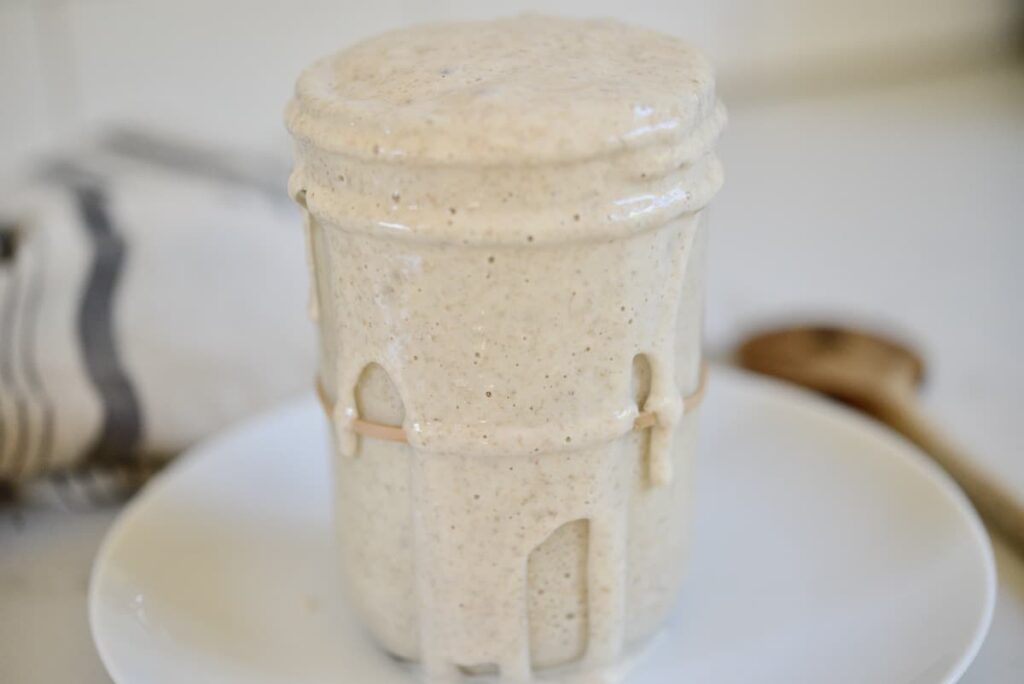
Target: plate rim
x=744 y=381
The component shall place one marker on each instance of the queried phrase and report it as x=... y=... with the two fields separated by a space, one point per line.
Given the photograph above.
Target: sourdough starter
x=505 y=232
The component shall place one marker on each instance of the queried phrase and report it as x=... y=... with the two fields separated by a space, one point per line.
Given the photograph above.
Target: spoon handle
x=998 y=506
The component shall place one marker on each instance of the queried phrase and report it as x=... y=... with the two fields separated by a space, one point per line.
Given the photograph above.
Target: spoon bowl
x=854 y=366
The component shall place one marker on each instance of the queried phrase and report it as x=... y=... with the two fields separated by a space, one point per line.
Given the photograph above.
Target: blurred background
x=220 y=70
x=874 y=175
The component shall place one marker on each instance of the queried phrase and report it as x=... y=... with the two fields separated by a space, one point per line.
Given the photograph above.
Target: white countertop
x=903 y=206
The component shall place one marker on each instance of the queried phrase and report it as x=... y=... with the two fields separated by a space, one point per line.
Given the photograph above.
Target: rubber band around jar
x=395 y=433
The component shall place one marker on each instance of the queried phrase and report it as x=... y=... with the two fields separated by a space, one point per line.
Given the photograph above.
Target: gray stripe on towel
x=121 y=429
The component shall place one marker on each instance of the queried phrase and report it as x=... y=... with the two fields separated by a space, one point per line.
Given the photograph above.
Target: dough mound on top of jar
x=526 y=89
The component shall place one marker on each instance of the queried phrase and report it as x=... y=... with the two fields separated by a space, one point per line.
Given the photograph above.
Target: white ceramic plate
x=825 y=550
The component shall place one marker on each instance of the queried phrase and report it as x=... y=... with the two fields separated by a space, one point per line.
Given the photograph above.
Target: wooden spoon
x=880 y=377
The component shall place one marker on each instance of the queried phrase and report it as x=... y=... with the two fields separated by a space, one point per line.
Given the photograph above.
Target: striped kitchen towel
x=150 y=293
